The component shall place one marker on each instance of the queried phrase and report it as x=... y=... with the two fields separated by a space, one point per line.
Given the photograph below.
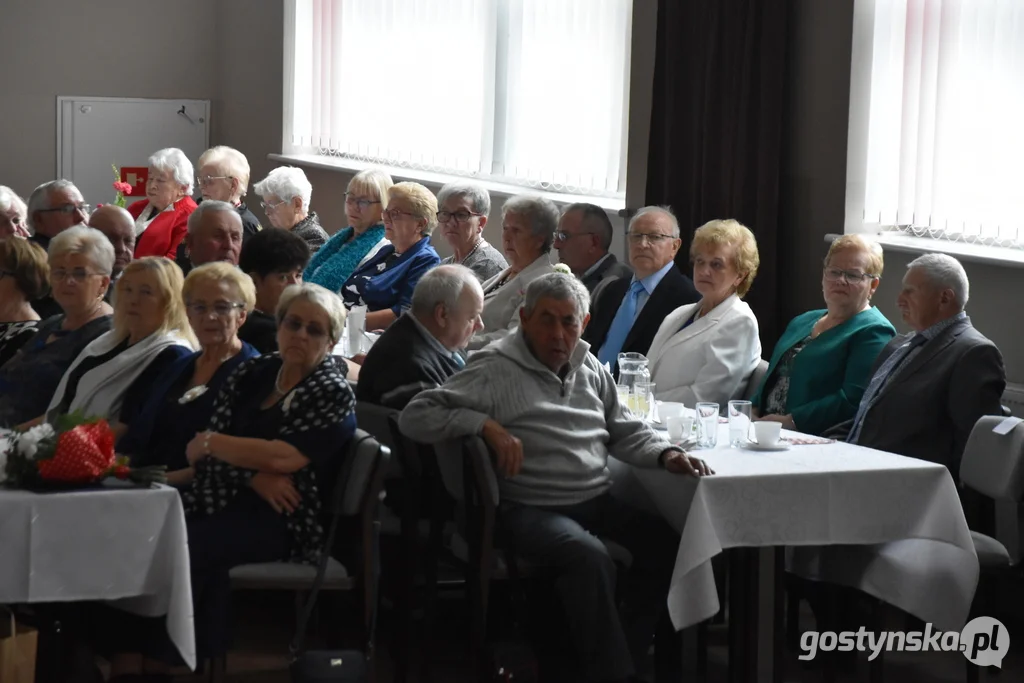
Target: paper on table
x=1007 y=425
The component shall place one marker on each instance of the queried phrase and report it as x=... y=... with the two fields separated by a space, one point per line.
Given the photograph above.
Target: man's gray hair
x=478 y=196
x=321 y=297
x=442 y=285
x=560 y=287
x=286 y=183
x=174 y=160
x=945 y=272
x=39 y=200
x=89 y=242
x=661 y=210
x=210 y=206
x=541 y=212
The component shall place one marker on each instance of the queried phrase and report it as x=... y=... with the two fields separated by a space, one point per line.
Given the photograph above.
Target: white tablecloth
x=126 y=546
x=904 y=536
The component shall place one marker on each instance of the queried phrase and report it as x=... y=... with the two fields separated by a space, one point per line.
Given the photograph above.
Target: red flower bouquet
x=121 y=188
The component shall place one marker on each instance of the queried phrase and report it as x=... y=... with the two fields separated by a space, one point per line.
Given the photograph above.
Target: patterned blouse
x=775 y=403
x=13 y=335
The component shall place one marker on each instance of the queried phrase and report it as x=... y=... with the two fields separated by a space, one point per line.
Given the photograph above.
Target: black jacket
x=610 y=268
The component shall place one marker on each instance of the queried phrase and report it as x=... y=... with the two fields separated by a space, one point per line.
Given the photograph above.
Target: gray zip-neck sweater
x=568 y=427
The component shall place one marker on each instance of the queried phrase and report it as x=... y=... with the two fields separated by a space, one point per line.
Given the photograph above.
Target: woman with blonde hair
x=150 y=332
x=707 y=351
x=351 y=247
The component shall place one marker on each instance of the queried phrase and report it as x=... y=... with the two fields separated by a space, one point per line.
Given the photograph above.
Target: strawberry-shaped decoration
x=83 y=454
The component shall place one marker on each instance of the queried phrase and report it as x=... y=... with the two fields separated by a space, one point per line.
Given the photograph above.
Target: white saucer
x=754 y=446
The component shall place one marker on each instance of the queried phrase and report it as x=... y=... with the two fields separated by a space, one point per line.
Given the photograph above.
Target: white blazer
x=501 y=306
x=711 y=360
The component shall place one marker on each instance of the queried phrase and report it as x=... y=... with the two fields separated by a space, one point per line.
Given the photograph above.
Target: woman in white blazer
x=707 y=351
x=528 y=224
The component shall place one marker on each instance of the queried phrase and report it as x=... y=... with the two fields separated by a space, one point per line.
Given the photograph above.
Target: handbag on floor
x=17 y=650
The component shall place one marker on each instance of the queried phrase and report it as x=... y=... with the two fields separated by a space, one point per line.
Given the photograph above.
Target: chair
x=356 y=494
x=754 y=383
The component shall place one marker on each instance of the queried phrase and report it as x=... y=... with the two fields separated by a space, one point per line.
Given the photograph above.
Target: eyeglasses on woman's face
x=851 y=276
x=205 y=180
x=221 y=309
x=74 y=275
x=362 y=203
x=294 y=325
x=392 y=215
x=461 y=216
x=271 y=207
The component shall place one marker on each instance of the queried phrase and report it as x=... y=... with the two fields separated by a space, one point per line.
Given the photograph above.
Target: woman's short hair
x=421 y=202
x=274 y=251
x=863 y=244
x=478 y=196
x=89 y=242
x=217 y=272
x=539 y=211
x=732 y=233
x=9 y=199
x=329 y=302
x=169 y=282
x=234 y=163
x=286 y=183
x=174 y=160
x=371 y=182
x=26 y=261
x=560 y=287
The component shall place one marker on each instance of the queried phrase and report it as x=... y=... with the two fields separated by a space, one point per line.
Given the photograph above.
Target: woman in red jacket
x=161 y=220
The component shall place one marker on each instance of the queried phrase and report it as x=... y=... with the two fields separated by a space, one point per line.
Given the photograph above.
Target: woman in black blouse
x=24 y=277
x=274 y=259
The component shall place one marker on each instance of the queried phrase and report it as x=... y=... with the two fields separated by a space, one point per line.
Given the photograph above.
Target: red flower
x=123 y=188
x=83 y=454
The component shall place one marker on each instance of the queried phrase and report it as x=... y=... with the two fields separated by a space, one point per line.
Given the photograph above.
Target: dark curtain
x=716 y=128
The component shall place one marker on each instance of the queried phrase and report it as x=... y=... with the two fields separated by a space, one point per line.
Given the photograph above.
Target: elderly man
x=928 y=388
x=551 y=414
x=628 y=311
x=214 y=234
x=583 y=239
x=119 y=227
x=421 y=349
x=54 y=207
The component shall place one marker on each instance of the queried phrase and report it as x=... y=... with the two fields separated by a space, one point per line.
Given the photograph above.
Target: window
x=528 y=92
x=944 y=141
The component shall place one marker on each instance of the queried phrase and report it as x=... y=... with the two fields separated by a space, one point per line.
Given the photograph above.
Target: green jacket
x=830 y=375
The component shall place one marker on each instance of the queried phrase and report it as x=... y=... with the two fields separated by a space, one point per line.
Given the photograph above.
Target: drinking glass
x=644 y=392
x=623 y=391
x=739 y=423
x=707 y=425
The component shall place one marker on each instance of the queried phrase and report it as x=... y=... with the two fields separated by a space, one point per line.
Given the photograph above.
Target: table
x=127 y=546
x=889 y=525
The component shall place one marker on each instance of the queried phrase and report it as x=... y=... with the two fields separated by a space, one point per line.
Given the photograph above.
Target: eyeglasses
x=68 y=209
x=652 y=238
x=361 y=202
x=221 y=309
x=393 y=215
x=293 y=325
x=566 y=236
x=271 y=207
x=208 y=179
x=76 y=275
x=853 y=277
x=461 y=216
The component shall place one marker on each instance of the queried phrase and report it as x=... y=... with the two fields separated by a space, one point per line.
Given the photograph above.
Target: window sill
x=609 y=204
x=972 y=253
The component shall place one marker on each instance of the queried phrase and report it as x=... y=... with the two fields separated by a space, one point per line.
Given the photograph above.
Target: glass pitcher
x=633 y=369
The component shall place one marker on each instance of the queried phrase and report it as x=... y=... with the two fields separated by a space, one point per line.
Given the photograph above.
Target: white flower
x=562 y=268
x=28 y=443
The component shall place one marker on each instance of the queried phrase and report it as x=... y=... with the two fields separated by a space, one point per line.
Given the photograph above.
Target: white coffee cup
x=668 y=410
x=767 y=432
x=675 y=428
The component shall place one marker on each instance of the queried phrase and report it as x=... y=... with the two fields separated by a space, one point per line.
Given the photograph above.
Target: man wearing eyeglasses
x=53 y=208
x=628 y=311
x=583 y=239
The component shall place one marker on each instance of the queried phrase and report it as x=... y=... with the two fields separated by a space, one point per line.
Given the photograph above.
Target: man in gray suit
x=928 y=388
x=583 y=239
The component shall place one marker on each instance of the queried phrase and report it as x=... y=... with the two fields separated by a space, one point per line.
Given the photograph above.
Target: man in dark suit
x=928 y=388
x=583 y=239
x=420 y=350
x=626 y=312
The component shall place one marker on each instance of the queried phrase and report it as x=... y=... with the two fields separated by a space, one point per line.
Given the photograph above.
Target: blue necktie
x=459 y=360
x=889 y=368
x=621 y=325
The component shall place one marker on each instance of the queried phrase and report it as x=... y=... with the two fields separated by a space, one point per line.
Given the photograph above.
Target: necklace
x=277 y=383
x=471 y=251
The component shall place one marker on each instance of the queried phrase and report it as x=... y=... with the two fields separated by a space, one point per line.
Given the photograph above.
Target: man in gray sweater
x=550 y=413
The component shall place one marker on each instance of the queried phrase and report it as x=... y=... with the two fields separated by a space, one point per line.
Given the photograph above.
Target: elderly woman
x=80 y=261
x=822 y=363
x=463 y=216
x=528 y=225
x=274 y=259
x=113 y=375
x=364 y=237
x=24 y=277
x=13 y=214
x=161 y=219
x=385 y=283
x=218 y=297
x=224 y=176
x=285 y=193
x=707 y=351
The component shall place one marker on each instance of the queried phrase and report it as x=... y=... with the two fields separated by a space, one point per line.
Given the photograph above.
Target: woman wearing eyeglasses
x=385 y=283
x=353 y=246
x=463 y=216
x=161 y=219
x=822 y=363
x=218 y=298
x=286 y=193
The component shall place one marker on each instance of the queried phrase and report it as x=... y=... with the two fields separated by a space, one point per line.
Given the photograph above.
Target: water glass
x=623 y=392
x=707 y=425
x=739 y=423
x=644 y=396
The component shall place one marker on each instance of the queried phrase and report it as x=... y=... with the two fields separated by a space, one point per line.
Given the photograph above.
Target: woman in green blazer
x=822 y=363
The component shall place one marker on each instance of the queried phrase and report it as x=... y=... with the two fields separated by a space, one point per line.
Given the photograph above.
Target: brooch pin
x=192 y=394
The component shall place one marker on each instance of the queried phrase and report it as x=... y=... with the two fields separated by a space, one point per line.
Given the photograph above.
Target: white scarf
x=101 y=390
